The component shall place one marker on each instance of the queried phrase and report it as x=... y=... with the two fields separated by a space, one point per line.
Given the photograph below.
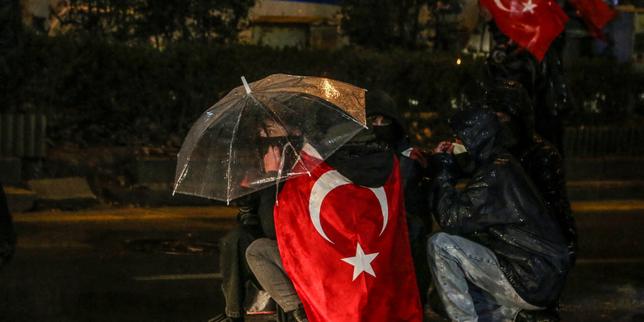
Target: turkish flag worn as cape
x=533 y=24
x=595 y=13
x=346 y=248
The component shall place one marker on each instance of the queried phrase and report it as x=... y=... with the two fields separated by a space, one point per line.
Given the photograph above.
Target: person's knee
x=259 y=248
x=437 y=243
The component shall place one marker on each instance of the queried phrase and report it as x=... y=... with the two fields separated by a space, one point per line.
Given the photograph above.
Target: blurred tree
x=10 y=34
x=223 y=17
x=10 y=24
x=160 y=22
x=112 y=18
x=408 y=24
x=384 y=24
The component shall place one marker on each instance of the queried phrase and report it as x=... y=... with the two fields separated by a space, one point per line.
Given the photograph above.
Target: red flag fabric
x=346 y=248
x=533 y=24
x=595 y=13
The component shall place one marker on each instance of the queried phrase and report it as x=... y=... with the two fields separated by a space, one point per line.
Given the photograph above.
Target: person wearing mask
x=389 y=128
x=499 y=251
x=367 y=160
x=255 y=219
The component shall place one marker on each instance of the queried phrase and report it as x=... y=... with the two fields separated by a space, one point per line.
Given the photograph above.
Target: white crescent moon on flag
x=501 y=6
x=324 y=185
x=382 y=199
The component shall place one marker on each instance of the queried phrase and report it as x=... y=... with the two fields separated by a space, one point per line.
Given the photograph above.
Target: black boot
x=547 y=315
x=436 y=305
x=224 y=318
x=298 y=315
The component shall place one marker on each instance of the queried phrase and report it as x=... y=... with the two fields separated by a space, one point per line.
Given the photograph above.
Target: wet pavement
x=138 y=264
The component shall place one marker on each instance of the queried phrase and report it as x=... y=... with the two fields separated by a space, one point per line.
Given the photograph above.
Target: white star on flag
x=529 y=6
x=361 y=262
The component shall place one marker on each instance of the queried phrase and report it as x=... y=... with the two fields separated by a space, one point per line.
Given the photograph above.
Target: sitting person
x=367 y=160
x=499 y=251
x=235 y=271
x=262 y=254
x=232 y=260
x=389 y=127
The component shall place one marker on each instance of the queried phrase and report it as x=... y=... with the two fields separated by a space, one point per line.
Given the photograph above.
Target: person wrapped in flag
x=337 y=246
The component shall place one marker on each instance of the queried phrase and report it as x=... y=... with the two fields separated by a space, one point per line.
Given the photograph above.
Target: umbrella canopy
x=222 y=157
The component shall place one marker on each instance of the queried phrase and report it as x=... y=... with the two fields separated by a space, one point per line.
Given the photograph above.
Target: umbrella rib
x=230 y=152
x=271 y=113
x=285 y=128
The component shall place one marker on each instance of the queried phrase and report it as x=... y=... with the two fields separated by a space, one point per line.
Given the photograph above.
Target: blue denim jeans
x=469 y=281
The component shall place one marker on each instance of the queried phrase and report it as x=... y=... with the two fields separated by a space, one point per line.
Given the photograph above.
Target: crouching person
x=499 y=251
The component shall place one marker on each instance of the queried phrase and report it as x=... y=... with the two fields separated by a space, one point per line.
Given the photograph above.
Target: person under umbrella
x=367 y=160
x=226 y=155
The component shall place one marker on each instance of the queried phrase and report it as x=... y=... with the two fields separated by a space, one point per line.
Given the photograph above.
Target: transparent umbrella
x=222 y=156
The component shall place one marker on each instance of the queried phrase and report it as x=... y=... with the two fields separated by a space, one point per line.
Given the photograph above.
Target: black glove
x=443 y=168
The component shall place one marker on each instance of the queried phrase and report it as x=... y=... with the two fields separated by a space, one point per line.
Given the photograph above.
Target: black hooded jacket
x=540 y=159
x=544 y=165
x=380 y=103
x=501 y=209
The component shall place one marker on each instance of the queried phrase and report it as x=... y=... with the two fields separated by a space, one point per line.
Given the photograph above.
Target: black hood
x=478 y=129
x=379 y=102
x=511 y=98
x=367 y=160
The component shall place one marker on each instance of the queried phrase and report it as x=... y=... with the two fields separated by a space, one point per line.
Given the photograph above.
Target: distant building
x=295 y=23
x=40 y=14
x=285 y=23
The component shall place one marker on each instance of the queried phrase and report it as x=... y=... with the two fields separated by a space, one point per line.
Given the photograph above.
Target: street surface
x=135 y=264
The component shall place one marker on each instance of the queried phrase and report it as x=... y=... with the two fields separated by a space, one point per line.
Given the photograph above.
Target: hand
x=417 y=155
x=443 y=147
x=272 y=159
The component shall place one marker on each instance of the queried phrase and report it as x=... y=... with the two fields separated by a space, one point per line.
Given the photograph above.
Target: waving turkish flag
x=346 y=249
x=533 y=24
x=595 y=13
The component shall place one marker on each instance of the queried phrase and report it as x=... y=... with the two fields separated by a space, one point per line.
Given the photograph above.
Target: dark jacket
x=395 y=139
x=380 y=103
x=540 y=159
x=543 y=163
x=256 y=212
x=544 y=81
x=501 y=209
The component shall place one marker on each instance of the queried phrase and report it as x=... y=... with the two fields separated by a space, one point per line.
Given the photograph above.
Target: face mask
x=385 y=133
x=463 y=158
x=365 y=136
